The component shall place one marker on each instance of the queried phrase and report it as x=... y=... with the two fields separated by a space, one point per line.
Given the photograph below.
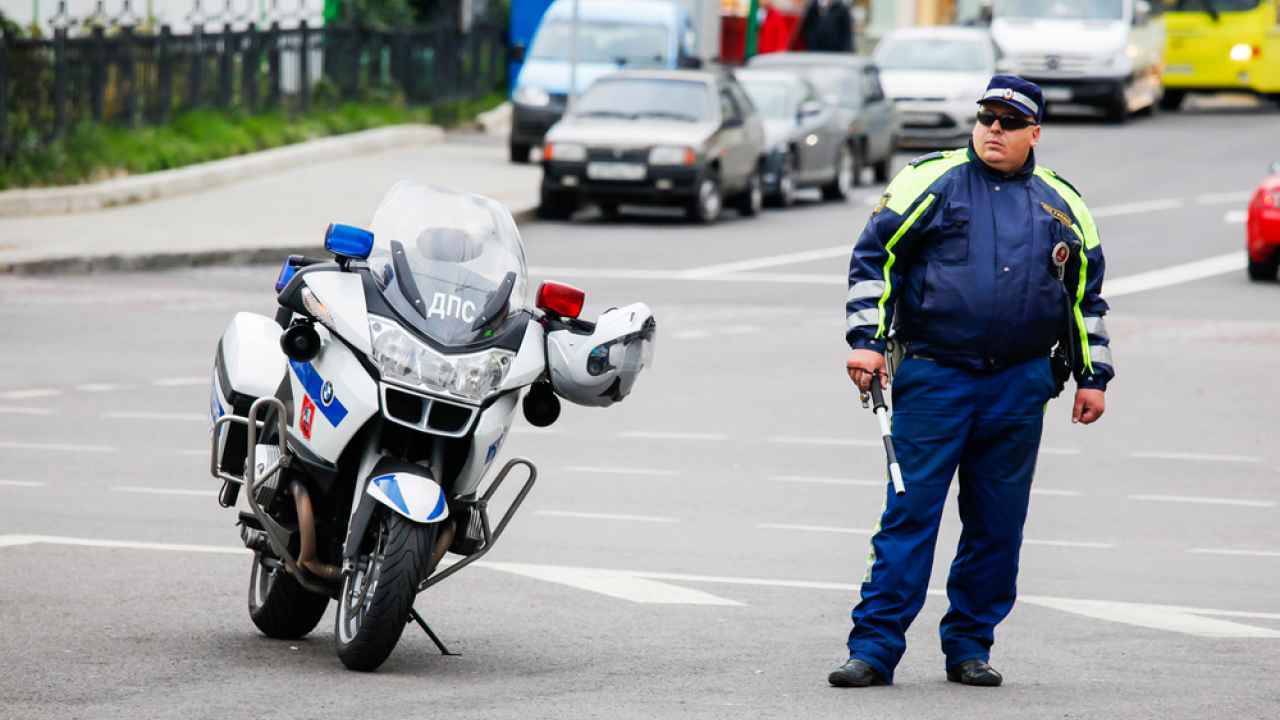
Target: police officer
x=977 y=261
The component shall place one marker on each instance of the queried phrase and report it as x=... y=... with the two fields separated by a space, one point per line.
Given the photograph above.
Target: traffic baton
x=882 y=414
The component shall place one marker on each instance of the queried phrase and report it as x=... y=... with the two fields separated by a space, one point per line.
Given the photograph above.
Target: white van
x=1105 y=54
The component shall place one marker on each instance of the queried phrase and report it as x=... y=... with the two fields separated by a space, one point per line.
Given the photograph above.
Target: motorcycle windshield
x=451 y=264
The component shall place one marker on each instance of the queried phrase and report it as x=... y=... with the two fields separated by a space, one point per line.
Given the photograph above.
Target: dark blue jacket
x=957 y=263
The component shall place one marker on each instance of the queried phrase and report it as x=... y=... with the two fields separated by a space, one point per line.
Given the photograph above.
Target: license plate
x=615 y=171
x=1179 y=70
x=1056 y=94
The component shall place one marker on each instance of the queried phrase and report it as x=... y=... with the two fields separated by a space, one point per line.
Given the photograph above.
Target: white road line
x=1224 y=551
x=180 y=381
x=29 y=394
x=607 y=273
x=738 y=330
x=1059 y=451
x=832 y=278
x=1205 y=500
x=1235 y=217
x=11 y=410
x=1055 y=493
x=827 y=441
x=658 y=435
x=828 y=480
x=185 y=417
x=21 y=483
x=530 y=430
x=815 y=528
x=1136 y=208
x=621 y=471
x=101 y=387
x=1176 y=274
x=759 y=263
x=60 y=447
x=605 y=516
x=1223 y=198
x=1201 y=457
x=1070 y=544
x=691 y=335
x=12 y=540
x=162 y=491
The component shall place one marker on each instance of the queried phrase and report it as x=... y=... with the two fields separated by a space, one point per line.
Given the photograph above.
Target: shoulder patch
x=917 y=162
x=1065 y=181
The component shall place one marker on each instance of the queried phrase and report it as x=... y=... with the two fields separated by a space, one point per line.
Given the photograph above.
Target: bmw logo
x=326 y=393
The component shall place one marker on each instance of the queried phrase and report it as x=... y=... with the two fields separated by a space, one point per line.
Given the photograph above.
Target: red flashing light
x=563 y=300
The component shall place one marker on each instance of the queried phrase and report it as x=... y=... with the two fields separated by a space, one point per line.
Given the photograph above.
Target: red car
x=1264 y=228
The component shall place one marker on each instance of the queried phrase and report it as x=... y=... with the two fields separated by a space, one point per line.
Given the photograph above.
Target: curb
x=194 y=178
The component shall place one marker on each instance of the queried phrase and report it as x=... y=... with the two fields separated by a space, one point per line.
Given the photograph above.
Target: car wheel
x=705 y=207
x=1118 y=110
x=609 y=211
x=881 y=168
x=519 y=153
x=1264 y=271
x=786 y=194
x=1172 y=99
x=751 y=200
x=847 y=168
x=556 y=206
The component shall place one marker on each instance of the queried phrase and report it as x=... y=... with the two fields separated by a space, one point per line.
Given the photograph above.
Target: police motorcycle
x=354 y=431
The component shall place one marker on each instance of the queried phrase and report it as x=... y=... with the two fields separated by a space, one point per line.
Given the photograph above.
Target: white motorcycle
x=353 y=431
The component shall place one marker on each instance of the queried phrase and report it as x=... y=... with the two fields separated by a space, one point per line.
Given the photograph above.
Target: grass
x=92 y=152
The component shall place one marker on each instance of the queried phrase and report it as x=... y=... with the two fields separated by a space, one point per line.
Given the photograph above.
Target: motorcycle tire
x=279 y=606
x=367 y=628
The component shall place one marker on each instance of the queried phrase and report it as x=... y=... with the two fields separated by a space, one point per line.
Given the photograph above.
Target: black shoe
x=855 y=673
x=975 y=672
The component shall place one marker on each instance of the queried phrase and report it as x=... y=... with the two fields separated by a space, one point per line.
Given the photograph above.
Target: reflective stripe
x=1004 y=94
x=888 y=266
x=1101 y=354
x=870 y=316
x=914 y=180
x=1088 y=229
x=1084 y=333
x=1096 y=326
x=866 y=289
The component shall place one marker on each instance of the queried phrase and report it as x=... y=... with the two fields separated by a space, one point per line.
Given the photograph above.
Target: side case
x=248 y=365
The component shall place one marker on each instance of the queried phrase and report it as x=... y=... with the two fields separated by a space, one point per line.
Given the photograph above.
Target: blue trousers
x=988 y=426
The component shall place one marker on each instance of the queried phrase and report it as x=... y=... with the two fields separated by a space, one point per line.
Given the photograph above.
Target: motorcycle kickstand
x=427 y=629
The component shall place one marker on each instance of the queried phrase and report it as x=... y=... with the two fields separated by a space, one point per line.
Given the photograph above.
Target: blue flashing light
x=286 y=271
x=348 y=241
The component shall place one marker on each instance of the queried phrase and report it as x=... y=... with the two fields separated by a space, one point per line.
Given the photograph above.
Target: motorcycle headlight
x=529 y=95
x=402 y=358
x=671 y=155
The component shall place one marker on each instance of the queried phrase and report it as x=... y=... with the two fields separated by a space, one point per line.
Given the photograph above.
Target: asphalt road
x=692 y=552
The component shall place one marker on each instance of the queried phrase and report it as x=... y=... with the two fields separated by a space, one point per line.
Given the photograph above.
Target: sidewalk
x=262 y=218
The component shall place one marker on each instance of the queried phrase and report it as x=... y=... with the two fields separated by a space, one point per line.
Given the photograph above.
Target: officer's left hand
x=1090 y=404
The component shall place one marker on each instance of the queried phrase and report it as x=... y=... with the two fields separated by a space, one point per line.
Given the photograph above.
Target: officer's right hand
x=861 y=364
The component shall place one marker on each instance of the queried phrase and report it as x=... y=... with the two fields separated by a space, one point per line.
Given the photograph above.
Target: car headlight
x=402 y=358
x=564 y=152
x=1242 y=52
x=672 y=155
x=529 y=95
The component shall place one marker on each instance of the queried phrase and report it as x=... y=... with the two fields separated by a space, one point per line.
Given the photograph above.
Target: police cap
x=1015 y=93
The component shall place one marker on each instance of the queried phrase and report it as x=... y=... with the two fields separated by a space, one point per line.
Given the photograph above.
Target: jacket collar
x=1021 y=173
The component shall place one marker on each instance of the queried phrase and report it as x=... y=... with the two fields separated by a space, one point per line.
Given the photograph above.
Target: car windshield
x=645 y=97
x=1216 y=6
x=1060 y=9
x=837 y=85
x=775 y=100
x=933 y=54
x=450 y=264
x=630 y=44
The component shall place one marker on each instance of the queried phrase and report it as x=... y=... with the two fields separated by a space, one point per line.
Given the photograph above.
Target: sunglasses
x=1011 y=123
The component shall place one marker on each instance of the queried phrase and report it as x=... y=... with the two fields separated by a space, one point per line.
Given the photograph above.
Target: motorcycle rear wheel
x=279 y=606
x=377 y=596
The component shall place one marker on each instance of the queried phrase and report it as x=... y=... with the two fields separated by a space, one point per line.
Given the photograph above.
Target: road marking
x=180 y=381
x=163 y=491
x=21 y=483
x=605 y=516
x=11 y=410
x=529 y=430
x=1204 y=457
x=815 y=528
x=1176 y=274
x=61 y=447
x=827 y=441
x=30 y=394
x=621 y=471
x=1059 y=451
x=186 y=417
x=629 y=585
x=1205 y=500
x=691 y=335
x=769 y=261
x=657 y=435
x=1070 y=544
x=1250 y=553
x=1055 y=493
x=100 y=387
x=609 y=273
x=828 y=480
x=1136 y=208
x=738 y=330
x=1235 y=217
x=1223 y=198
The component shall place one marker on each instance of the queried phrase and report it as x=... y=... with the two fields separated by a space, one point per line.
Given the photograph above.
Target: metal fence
x=124 y=76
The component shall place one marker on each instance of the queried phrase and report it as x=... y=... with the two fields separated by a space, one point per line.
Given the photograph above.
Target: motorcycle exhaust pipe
x=443 y=541
x=307 y=531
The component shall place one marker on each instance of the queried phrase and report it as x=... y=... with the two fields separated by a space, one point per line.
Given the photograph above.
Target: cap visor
x=1009 y=104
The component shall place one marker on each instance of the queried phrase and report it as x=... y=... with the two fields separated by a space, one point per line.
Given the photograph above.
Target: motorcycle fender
x=408 y=492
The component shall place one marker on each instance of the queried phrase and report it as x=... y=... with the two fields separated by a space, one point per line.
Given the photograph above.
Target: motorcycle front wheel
x=378 y=594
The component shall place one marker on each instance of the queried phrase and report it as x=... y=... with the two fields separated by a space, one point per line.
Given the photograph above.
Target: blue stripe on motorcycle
x=439 y=509
x=388 y=485
x=311 y=381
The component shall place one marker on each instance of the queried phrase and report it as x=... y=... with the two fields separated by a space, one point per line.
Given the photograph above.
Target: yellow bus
x=1221 y=46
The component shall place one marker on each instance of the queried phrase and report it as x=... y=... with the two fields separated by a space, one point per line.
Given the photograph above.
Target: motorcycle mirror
x=347 y=241
x=541 y=406
x=301 y=342
x=563 y=300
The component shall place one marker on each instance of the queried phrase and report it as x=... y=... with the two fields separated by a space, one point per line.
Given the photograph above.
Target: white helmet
x=598 y=366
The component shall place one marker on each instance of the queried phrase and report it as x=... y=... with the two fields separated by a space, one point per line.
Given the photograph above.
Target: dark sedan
x=852 y=84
